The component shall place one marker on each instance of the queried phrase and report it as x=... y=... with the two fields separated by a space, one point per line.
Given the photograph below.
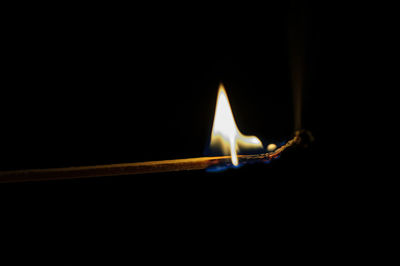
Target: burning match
x=140 y=167
x=225 y=138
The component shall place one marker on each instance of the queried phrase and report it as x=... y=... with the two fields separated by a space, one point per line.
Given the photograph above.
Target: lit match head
x=226 y=137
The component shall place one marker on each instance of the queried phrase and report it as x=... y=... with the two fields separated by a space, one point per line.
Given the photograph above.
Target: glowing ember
x=225 y=136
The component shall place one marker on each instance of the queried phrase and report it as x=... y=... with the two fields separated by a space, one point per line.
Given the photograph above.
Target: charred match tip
x=144 y=167
x=304 y=137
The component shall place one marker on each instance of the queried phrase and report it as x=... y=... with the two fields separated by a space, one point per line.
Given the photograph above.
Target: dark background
x=98 y=85
x=111 y=88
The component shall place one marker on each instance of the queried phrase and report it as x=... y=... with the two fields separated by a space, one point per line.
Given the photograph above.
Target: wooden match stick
x=136 y=168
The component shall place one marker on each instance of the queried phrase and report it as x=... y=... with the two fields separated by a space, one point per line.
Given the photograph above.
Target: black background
x=98 y=85
x=101 y=89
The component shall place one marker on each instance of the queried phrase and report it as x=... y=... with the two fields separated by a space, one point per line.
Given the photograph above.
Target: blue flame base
x=224 y=167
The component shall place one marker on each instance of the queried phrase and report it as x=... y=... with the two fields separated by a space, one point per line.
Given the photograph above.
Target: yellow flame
x=225 y=135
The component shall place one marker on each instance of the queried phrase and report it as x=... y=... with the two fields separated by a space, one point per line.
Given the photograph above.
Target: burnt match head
x=305 y=137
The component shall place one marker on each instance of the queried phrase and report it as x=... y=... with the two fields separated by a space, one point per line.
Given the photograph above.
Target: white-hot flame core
x=225 y=134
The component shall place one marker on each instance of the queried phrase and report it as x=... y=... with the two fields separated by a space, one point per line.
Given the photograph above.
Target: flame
x=225 y=135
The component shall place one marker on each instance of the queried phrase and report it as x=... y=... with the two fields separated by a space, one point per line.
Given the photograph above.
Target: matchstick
x=136 y=168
